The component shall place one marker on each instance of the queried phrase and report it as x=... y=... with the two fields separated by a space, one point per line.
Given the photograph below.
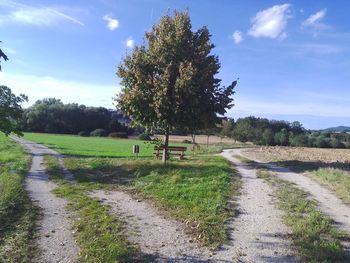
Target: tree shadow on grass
x=125 y=171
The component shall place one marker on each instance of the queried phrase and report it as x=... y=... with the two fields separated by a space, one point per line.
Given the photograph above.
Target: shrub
x=122 y=135
x=144 y=137
x=98 y=133
x=84 y=133
x=334 y=143
x=322 y=142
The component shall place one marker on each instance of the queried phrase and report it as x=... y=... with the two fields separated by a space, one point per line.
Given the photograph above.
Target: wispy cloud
x=112 y=23
x=270 y=22
x=34 y=15
x=314 y=20
x=321 y=49
x=237 y=37
x=39 y=87
x=130 y=43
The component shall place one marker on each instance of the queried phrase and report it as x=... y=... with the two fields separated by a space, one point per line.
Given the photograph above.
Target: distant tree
x=2 y=55
x=296 y=127
x=282 y=137
x=170 y=82
x=267 y=137
x=226 y=127
x=10 y=110
x=299 y=140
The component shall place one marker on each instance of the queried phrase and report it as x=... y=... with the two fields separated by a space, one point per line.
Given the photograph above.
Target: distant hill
x=338 y=129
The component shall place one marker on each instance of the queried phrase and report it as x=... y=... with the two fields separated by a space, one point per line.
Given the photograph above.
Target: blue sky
x=292 y=57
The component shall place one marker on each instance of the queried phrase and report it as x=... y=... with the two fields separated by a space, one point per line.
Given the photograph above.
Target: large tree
x=10 y=110
x=170 y=81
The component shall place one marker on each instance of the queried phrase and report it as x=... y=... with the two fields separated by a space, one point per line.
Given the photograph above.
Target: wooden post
x=165 y=147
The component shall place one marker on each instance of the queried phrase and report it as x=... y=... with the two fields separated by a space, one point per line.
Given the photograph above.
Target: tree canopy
x=170 y=81
x=53 y=116
x=10 y=110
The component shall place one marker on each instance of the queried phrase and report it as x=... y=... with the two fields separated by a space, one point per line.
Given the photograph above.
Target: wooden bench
x=172 y=150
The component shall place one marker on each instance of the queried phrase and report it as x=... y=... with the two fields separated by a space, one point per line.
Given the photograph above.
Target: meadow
x=17 y=213
x=93 y=146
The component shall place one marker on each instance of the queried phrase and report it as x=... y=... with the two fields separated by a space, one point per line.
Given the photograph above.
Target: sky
x=292 y=58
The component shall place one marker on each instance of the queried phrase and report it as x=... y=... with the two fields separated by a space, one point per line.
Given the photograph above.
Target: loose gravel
x=258 y=232
x=159 y=238
x=55 y=235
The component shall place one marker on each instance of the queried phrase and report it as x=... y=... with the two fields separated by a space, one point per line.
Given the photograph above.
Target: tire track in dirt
x=56 y=240
x=258 y=232
x=327 y=201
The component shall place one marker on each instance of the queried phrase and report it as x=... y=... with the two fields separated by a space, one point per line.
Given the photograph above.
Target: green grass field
x=92 y=146
x=17 y=213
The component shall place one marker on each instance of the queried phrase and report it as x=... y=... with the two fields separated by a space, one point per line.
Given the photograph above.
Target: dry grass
x=277 y=153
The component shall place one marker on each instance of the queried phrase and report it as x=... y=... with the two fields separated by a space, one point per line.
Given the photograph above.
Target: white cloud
x=39 y=87
x=130 y=42
x=237 y=37
x=112 y=23
x=314 y=20
x=37 y=16
x=270 y=22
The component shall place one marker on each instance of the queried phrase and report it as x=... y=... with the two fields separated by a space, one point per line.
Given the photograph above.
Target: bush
x=98 y=133
x=122 y=135
x=187 y=141
x=322 y=142
x=144 y=137
x=84 y=133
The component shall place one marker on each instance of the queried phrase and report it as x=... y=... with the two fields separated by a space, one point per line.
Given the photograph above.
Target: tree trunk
x=166 y=144
x=193 y=136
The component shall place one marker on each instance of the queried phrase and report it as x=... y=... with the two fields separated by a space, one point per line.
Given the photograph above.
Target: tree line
x=262 y=131
x=53 y=116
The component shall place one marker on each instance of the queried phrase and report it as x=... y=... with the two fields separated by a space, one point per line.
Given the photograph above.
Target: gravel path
x=328 y=202
x=258 y=232
x=159 y=238
x=55 y=236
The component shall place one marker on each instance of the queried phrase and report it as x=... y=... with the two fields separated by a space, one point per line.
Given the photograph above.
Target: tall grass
x=17 y=213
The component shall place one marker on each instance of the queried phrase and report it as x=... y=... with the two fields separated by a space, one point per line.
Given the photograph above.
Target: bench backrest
x=171 y=148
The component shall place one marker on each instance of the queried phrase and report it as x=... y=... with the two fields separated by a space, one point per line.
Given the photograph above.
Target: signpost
x=136 y=150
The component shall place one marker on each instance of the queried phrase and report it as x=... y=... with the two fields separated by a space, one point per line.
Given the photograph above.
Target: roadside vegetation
x=17 y=214
x=313 y=235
